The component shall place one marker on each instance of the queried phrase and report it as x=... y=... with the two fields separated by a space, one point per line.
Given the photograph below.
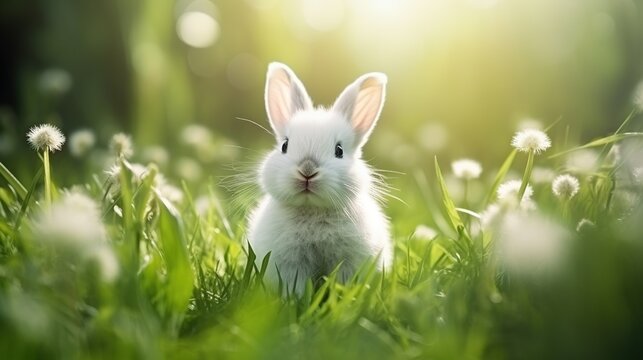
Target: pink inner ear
x=367 y=105
x=279 y=97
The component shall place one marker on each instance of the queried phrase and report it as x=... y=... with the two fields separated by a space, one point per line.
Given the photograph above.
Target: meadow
x=124 y=192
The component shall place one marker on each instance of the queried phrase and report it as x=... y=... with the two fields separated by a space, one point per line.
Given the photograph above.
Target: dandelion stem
x=45 y=161
x=526 y=175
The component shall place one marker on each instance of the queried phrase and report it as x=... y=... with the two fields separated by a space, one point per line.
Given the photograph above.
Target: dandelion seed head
x=73 y=222
x=156 y=154
x=565 y=186
x=188 y=168
x=196 y=135
x=121 y=145
x=508 y=191
x=531 y=140
x=168 y=191
x=202 y=205
x=582 y=161
x=530 y=244
x=80 y=142
x=424 y=232
x=45 y=137
x=107 y=262
x=138 y=172
x=466 y=169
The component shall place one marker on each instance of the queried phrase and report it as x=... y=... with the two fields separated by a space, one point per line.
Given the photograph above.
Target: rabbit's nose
x=308 y=176
x=308 y=168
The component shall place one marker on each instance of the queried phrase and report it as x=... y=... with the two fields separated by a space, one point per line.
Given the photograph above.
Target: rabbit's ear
x=285 y=95
x=361 y=103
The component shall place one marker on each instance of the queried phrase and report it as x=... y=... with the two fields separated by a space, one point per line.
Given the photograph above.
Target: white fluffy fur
x=338 y=221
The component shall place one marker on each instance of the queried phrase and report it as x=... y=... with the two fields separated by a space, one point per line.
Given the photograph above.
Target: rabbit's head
x=316 y=161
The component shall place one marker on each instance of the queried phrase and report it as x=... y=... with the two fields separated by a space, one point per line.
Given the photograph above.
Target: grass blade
x=449 y=206
x=13 y=181
x=600 y=142
x=504 y=169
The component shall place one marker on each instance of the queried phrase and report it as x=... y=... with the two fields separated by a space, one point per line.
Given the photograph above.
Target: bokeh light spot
x=198 y=29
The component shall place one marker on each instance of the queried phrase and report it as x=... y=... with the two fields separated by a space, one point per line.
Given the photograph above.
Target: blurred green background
x=462 y=73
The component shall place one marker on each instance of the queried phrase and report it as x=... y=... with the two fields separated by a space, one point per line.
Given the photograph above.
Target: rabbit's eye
x=339 y=151
x=284 y=146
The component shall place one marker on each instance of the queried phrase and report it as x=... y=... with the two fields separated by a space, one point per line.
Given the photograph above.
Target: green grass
x=188 y=286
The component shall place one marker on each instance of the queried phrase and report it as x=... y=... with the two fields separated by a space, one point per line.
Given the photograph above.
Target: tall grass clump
x=128 y=265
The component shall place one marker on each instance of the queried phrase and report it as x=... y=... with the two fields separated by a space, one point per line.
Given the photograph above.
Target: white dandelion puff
x=530 y=244
x=565 y=186
x=121 y=145
x=531 y=140
x=466 y=169
x=73 y=222
x=188 y=168
x=424 y=232
x=196 y=135
x=583 y=161
x=45 y=137
x=107 y=262
x=168 y=191
x=508 y=191
x=81 y=141
x=156 y=154
x=138 y=172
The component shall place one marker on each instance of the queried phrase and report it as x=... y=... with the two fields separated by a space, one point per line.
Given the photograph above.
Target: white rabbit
x=319 y=208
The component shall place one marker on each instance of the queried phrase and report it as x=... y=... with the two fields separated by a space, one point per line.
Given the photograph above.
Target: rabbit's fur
x=319 y=208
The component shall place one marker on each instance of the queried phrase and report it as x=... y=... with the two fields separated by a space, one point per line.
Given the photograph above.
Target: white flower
x=424 y=232
x=121 y=145
x=466 y=169
x=156 y=154
x=80 y=142
x=167 y=191
x=584 y=161
x=45 y=137
x=196 y=135
x=565 y=186
x=73 y=222
x=106 y=260
x=202 y=205
x=55 y=81
x=529 y=244
x=138 y=172
x=531 y=140
x=188 y=169
x=508 y=191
